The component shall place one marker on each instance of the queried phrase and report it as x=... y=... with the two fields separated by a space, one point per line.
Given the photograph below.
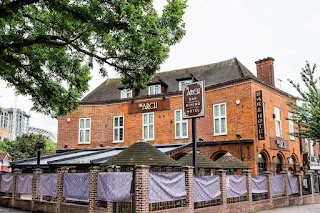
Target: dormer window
x=154 y=89
x=182 y=83
x=126 y=93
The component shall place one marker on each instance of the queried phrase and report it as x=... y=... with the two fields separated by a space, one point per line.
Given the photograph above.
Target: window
x=182 y=83
x=154 y=89
x=84 y=130
x=148 y=126
x=220 y=119
x=181 y=125
x=278 y=122
x=118 y=128
x=126 y=93
x=291 y=125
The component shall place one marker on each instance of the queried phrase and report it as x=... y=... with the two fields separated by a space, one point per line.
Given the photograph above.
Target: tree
x=25 y=146
x=47 y=47
x=307 y=114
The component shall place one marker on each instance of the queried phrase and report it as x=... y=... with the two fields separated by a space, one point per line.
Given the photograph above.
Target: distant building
x=46 y=133
x=5 y=133
x=15 y=120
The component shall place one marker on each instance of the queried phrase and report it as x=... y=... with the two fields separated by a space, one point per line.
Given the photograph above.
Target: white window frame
x=180 y=123
x=291 y=125
x=84 y=129
x=220 y=117
x=152 y=89
x=181 y=83
x=117 y=128
x=148 y=125
x=277 y=119
x=125 y=93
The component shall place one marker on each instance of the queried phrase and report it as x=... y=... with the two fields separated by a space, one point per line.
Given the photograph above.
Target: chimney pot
x=265 y=70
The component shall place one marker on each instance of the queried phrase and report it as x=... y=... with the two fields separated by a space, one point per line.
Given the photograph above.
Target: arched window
x=218 y=155
x=262 y=163
x=278 y=162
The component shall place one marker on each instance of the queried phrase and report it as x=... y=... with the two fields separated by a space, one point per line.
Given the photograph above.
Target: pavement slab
x=312 y=208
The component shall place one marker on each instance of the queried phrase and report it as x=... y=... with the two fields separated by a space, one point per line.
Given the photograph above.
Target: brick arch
x=295 y=158
x=282 y=156
x=178 y=155
x=215 y=156
x=266 y=154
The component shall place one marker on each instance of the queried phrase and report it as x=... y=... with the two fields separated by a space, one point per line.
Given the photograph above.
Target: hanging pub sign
x=193 y=99
x=260 y=115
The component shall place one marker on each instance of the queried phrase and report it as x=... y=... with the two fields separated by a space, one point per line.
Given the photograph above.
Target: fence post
x=189 y=187
x=223 y=188
x=35 y=179
x=93 y=188
x=60 y=172
x=298 y=175
x=15 y=195
x=270 y=194
x=142 y=189
x=247 y=173
x=286 y=182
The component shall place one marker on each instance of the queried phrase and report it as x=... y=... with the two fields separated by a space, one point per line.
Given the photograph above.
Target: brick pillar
x=247 y=173
x=93 y=187
x=110 y=204
x=189 y=187
x=142 y=189
x=270 y=194
x=35 y=179
x=60 y=172
x=286 y=182
x=298 y=175
x=223 y=188
x=310 y=174
x=15 y=195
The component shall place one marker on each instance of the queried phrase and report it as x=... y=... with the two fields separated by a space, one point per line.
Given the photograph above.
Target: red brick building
x=244 y=115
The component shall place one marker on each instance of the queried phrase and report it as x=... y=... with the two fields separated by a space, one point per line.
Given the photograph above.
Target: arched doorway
x=215 y=156
x=262 y=162
x=278 y=161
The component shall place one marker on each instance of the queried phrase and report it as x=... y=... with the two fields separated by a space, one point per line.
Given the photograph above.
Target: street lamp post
x=39 y=146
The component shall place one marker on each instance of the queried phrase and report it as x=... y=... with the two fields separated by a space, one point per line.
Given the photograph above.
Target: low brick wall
x=219 y=208
x=22 y=204
x=181 y=209
x=262 y=205
x=44 y=206
x=73 y=208
x=280 y=202
x=239 y=207
x=5 y=201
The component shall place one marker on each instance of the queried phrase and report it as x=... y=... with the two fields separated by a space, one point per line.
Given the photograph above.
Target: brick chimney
x=265 y=71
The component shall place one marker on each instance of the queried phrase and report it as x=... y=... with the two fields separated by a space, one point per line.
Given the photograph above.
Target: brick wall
x=241 y=119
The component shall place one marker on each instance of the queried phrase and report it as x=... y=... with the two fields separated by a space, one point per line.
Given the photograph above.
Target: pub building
x=244 y=114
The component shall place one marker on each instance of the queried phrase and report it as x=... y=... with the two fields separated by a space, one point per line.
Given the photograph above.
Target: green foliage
x=25 y=146
x=47 y=48
x=307 y=114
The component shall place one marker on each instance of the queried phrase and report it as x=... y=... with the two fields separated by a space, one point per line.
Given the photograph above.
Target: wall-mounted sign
x=279 y=144
x=260 y=115
x=149 y=106
x=193 y=99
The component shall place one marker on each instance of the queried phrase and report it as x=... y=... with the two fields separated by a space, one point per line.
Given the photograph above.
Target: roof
x=213 y=74
x=3 y=155
x=228 y=161
x=202 y=161
x=142 y=153
x=86 y=157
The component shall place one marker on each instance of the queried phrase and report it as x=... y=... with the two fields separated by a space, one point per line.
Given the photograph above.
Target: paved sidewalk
x=312 y=208
x=4 y=210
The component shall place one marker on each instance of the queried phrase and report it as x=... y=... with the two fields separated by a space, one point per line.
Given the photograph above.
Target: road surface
x=312 y=208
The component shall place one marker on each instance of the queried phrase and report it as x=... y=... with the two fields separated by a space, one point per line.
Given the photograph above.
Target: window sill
x=118 y=142
x=83 y=143
x=178 y=138
x=221 y=134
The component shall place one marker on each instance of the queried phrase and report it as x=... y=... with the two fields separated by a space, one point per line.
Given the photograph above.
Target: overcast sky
x=287 y=30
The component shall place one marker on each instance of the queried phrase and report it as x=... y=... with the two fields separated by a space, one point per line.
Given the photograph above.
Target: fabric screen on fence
x=24 y=184
x=236 y=185
x=293 y=185
x=76 y=185
x=277 y=184
x=259 y=184
x=206 y=188
x=47 y=184
x=166 y=186
x=114 y=186
x=6 y=183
